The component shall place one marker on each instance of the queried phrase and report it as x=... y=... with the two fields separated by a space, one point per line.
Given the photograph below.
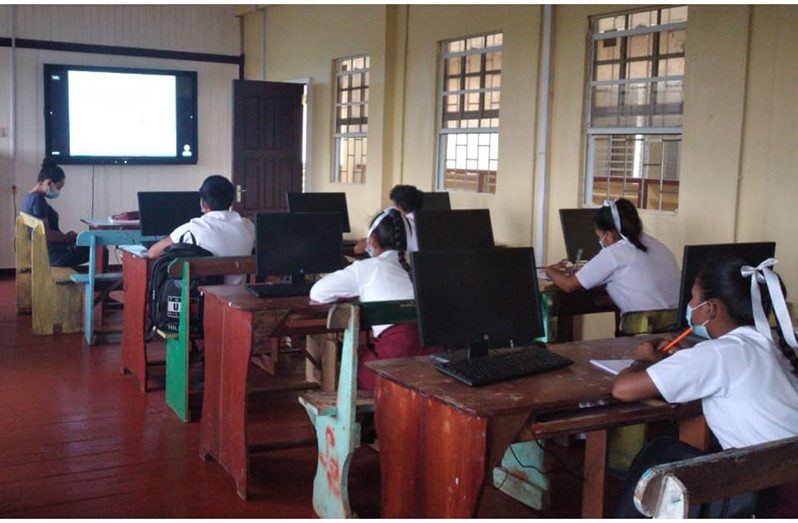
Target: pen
x=676 y=340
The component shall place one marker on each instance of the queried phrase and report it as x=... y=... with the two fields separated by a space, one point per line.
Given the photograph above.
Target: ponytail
x=621 y=216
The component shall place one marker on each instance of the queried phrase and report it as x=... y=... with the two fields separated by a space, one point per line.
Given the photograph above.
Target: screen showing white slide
x=122 y=114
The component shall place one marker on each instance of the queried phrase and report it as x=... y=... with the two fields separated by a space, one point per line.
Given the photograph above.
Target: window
x=636 y=103
x=351 y=119
x=468 y=133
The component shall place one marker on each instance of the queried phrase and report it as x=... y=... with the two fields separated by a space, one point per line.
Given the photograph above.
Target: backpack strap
x=191 y=235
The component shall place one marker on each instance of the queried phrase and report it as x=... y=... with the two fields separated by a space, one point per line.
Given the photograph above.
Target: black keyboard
x=484 y=370
x=277 y=290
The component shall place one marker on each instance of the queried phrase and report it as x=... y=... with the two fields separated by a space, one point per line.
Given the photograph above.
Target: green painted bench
x=178 y=345
x=335 y=414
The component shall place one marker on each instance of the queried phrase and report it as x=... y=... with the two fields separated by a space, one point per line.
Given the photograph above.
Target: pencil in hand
x=676 y=340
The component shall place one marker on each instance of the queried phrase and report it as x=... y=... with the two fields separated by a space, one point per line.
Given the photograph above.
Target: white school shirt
x=636 y=280
x=224 y=233
x=412 y=241
x=374 y=279
x=746 y=386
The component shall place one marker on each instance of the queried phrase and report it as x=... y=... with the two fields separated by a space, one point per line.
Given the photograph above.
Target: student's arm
x=634 y=383
x=58 y=236
x=562 y=278
x=159 y=247
x=336 y=285
x=40 y=209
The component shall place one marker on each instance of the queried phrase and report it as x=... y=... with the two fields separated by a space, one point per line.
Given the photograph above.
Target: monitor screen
x=578 y=228
x=695 y=256
x=477 y=296
x=163 y=212
x=326 y=202
x=459 y=229
x=436 y=201
x=116 y=115
x=293 y=243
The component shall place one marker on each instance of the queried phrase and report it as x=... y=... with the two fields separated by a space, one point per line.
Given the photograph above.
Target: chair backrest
x=31 y=256
x=387 y=312
x=648 y=322
x=668 y=490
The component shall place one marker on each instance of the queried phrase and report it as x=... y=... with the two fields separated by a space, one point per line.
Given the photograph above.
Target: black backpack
x=165 y=293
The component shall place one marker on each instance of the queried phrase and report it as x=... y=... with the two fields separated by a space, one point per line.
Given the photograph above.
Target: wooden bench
x=178 y=345
x=95 y=281
x=667 y=491
x=43 y=291
x=335 y=414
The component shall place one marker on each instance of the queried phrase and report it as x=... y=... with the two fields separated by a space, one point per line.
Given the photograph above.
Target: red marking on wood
x=330 y=463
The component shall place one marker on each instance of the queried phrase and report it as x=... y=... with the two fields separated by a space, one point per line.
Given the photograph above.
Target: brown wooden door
x=267 y=144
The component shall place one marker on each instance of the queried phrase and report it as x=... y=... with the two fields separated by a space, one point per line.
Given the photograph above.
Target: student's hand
x=71 y=235
x=360 y=246
x=650 y=351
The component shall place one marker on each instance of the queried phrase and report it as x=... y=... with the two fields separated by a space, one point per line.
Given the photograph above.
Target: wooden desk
x=135 y=276
x=235 y=324
x=104 y=224
x=440 y=439
x=566 y=305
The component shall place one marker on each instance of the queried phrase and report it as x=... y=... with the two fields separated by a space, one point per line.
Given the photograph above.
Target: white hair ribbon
x=382 y=216
x=616 y=217
x=763 y=273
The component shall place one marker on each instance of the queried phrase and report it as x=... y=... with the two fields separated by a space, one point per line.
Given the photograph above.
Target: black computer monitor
x=695 y=256
x=297 y=244
x=436 y=201
x=163 y=212
x=578 y=228
x=477 y=298
x=327 y=202
x=458 y=229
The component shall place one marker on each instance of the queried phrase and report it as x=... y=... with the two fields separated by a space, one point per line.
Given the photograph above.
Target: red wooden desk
x=236 y=323
x=440 y=439
x=135 y=275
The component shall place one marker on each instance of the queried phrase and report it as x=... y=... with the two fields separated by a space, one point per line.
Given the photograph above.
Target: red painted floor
x=78 y=439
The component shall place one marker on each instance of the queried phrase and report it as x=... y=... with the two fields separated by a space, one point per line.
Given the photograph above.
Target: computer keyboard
x=277 y=290
x=484 y=370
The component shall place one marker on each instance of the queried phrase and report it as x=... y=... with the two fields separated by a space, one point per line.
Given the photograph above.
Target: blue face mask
x=52 y=193
x=699 y=330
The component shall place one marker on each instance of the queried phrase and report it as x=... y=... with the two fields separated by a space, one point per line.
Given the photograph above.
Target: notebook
x=612 y=366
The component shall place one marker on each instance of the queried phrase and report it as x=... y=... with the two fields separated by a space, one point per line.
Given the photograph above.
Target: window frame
x=442 y=93
x=338 y=136
x=635 y=132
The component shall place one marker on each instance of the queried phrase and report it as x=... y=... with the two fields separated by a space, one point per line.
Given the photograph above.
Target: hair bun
x=48 y=162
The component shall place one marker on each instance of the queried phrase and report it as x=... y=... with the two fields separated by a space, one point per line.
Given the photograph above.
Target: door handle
x=239 y=191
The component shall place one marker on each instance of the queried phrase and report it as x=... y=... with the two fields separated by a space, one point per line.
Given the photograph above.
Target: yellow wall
x=738 y=152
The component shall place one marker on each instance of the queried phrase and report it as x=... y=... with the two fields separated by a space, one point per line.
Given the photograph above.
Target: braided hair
x=631 y=225
x=391 y=234
x=721 y=279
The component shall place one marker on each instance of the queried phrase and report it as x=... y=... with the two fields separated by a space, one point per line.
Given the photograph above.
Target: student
x=219 y=230
x=383 y=277
x=407 y=199
x=61 y=248
x=747 y=383
x=640 y=273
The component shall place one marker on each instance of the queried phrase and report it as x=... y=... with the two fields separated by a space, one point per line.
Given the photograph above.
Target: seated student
x=747 y=383
x=61 y=247
x=407 y=199
x=383 y=277
x=219 y=230
x=640 y=273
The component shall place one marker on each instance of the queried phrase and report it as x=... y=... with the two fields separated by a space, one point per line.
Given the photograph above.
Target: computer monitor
x=458 y=229
x=436 y=201
x=578 y=228
x=163 y=212
x=297 y=244
x=327 y=202
x=477 y=298
x=695 y=256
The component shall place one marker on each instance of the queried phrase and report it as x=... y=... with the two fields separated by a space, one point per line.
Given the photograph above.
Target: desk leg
x=134 y=350
x=213 y=323
x=99 y=268
x=694 y=431
x=565 y=328
x=595 y=474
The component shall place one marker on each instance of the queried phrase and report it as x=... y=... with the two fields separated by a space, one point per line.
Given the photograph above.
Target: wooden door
x=267 y=144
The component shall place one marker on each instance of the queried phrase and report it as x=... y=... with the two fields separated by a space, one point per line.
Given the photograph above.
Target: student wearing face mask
x=385 y=276
x=61 y=246
x=640 y=273
x=745 y=377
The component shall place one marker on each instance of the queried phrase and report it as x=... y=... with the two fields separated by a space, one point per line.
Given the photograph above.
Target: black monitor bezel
x=172 y=196
x=424 y=219
x=292 y=199
x=591 y=246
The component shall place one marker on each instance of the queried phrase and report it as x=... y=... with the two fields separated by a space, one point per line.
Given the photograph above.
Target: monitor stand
x=472 y=350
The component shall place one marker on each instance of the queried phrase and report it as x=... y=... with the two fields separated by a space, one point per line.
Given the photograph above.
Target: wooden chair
x=178 y=345
x=45 y=292
x=98 y=281
x=667 y=491
x=334 y=414
x=648 y=322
